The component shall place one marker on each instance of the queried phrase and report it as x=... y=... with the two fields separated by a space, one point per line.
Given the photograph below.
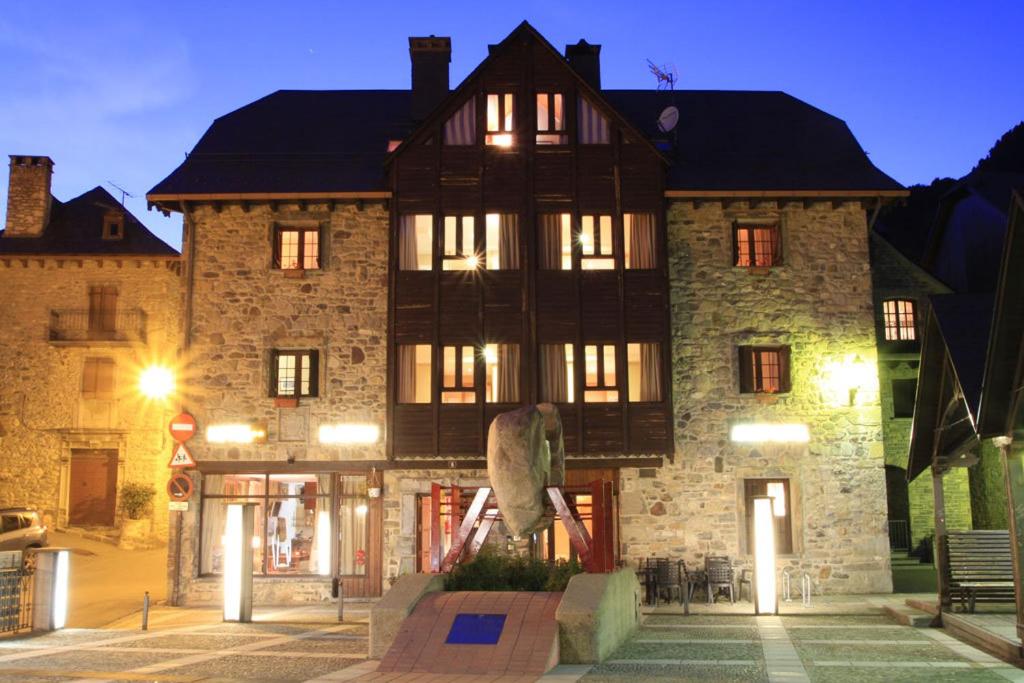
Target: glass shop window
x=353 y=526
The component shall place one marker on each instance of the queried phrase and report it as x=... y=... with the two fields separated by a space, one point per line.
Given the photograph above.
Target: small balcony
x=82 y=326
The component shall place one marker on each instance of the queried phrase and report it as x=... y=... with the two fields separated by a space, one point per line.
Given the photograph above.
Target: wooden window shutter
x=777 y=245
x=784 y=380
x=275 y=239
x=735 y=244
x=89 y=377
x=314 y=372
x=104 y=377
x=273 y=374
x=746 y=369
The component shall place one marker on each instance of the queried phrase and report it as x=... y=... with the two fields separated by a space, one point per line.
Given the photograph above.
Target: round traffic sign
x=179 y=487
x=183 y=427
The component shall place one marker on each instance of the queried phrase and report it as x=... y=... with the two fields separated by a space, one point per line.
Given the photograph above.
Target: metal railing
x=78 y=325
x=15 y=599
x=899 y=534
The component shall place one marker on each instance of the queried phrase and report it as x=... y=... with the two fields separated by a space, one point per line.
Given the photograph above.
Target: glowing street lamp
x=156 y=382
x=765 y=589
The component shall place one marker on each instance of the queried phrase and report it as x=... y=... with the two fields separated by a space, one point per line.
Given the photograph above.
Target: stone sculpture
x=525 y=454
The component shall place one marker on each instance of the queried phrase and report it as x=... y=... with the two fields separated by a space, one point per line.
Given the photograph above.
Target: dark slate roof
x=76 y=227
x=336 y=141
x=964 y=321
x=752 y=140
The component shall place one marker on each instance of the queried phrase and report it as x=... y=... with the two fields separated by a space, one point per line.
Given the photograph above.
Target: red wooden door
x=93 y=487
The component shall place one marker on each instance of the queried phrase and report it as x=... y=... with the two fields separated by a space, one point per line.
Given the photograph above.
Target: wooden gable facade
x=577 y=164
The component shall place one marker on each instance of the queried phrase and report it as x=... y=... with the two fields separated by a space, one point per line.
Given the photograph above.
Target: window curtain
x=213 y=525
x=352 y=526
x=550 y=246
x=650 y=372
x=508 y=242
x=408 y=258
x=406 y=373
x=553 y=374
x=460 y=129
x=642 y=254
x=593 y=126
x=508 y=373
x=323 y=507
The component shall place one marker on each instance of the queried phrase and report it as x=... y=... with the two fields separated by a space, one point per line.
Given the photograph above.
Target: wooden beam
x=1013 y=474
x=824 y=194
x=939 y=549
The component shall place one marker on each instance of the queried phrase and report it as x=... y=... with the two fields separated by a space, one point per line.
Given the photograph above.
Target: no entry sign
x=183 y=427
x=179 y=487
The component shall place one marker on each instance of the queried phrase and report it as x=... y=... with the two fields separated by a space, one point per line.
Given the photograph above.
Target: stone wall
x=242 y=309
x=956 y=496
x=43 y=415
x=820 y=304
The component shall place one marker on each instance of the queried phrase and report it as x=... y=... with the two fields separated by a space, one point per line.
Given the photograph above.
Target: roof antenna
x=666 y=74
x=124 y=192
x=669 y=117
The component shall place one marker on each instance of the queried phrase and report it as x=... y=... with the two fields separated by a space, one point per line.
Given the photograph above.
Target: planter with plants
x=136 y=526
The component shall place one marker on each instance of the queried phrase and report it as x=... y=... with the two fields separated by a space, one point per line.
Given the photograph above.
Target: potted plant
x=136 y=499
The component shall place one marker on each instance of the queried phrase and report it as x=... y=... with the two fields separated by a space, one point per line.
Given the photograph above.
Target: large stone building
x=695 y=298
x=90 y=298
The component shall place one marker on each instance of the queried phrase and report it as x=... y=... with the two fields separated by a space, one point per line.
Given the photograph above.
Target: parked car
x=21 y=529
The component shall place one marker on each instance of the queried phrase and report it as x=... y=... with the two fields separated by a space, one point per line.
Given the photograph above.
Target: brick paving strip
x=780 y=657
x=976 y=656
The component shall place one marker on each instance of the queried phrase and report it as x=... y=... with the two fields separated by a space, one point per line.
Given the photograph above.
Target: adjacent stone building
x=90 y=298
x=370 y=276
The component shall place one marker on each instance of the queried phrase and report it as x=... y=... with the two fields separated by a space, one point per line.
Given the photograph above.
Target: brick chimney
x=585 y=59
x=28 y=196
x=430 y=58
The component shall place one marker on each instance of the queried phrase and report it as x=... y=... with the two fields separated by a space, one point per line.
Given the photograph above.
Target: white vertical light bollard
x=765 y=586
x=50 y=589
x=238 y=547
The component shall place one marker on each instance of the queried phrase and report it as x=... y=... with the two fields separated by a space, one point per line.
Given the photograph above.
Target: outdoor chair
x=720 y=577
x=693 y=578
x=669 y=579
x=746 y=579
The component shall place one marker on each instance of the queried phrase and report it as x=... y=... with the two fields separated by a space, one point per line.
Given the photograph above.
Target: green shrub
x=135 y=499
x=493 y=571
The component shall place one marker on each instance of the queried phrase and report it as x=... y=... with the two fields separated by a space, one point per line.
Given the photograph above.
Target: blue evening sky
x=119 y=91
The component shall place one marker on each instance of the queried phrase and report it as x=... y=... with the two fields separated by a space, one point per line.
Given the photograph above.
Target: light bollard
x=238 y=534
x=50 y=589
x=765 y=588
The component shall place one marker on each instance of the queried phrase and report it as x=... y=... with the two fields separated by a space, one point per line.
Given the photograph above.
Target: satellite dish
x=668 y=119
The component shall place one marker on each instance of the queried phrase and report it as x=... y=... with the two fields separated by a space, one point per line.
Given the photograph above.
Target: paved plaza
x=835 y=641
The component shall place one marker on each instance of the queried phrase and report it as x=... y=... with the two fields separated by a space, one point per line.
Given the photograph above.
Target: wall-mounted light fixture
x=843 y=380
x=236 y=433
x=352 y=434
x=765 y=590
x=770 y=432
x=238 y=549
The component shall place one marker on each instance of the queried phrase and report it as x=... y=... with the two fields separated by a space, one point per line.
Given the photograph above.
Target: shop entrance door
x=359 y=524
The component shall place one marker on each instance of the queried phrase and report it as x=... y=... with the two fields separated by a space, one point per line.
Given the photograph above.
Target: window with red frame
x=756 y=246
x=900 y=320
x=764 y=369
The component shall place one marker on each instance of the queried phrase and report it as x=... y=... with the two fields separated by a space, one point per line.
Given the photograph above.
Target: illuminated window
x=458 y=368
x=557 y=383
x=501 y=362
x=415 y=242
x=640 y=244
x=502 y=241
x=294 y=373
x=597 y=245
x=551 y=119
x=644 y=366
x=782 y=509
x=555 y=241
x=98 y=378
x=412 y=373
x=764 y=369
x=500 y=119
x=899 y=319
x=757 y=246
x=297 y=249
x=458 y=250
x=600 y=379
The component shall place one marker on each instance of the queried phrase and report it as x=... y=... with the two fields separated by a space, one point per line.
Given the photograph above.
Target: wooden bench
x=979 y=567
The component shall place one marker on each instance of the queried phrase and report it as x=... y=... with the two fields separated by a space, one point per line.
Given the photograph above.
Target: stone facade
x=242 y=309
x=28 y=196
x=819 y=303
x=43 y=414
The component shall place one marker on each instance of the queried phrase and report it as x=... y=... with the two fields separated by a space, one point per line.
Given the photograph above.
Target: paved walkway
x=309 y=644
